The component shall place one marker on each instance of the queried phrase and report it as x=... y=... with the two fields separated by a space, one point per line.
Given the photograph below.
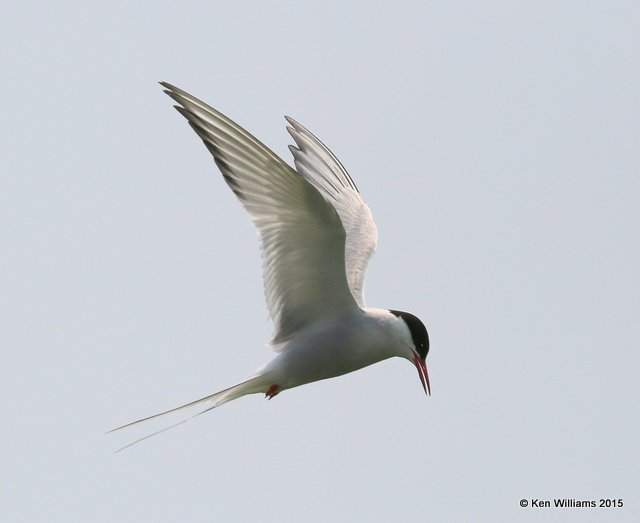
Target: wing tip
x=168 y=87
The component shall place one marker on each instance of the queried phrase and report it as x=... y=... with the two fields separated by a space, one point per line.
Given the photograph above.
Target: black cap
x=418 y=332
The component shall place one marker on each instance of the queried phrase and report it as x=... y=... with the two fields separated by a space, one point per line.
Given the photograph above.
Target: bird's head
x=417 y=344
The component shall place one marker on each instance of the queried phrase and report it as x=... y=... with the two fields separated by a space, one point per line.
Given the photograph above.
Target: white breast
x=337 y=346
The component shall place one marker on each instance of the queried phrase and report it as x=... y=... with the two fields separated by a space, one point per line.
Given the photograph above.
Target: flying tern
x=317 y=235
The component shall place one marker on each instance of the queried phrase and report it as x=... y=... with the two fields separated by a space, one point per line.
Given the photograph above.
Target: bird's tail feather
x=249 y=386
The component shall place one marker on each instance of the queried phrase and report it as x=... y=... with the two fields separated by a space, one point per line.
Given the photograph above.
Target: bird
x=317 y=236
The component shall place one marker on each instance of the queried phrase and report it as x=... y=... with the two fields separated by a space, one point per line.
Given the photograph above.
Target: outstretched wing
x=318 y=165
x=302 y=237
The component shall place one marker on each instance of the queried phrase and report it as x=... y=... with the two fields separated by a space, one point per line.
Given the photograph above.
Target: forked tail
x=249 y=386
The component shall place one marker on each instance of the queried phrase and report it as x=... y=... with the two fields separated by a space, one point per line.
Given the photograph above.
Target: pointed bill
x=421 y=365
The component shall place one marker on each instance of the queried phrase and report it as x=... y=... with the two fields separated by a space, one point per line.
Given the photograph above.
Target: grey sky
x=497 y=146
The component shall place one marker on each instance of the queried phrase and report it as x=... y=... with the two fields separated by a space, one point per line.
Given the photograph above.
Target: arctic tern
x=317 y=236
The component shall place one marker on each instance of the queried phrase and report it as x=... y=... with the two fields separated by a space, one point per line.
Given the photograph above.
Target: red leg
x=272 y=391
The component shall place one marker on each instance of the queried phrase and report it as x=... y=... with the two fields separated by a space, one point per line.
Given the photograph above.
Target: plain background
x=497 y=146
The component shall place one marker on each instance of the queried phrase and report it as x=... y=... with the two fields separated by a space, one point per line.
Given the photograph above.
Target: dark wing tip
x=291 y=121
x=169 y=86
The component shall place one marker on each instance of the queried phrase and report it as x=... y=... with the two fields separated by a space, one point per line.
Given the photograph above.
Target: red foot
x=272 y=391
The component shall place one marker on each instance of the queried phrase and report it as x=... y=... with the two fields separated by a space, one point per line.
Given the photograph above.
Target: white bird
x=317 y=236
